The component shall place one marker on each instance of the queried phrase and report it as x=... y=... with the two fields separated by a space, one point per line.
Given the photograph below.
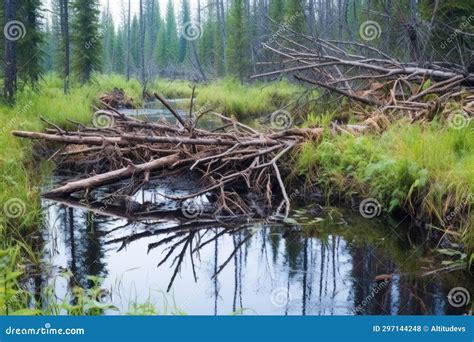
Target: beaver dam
x=160 y=210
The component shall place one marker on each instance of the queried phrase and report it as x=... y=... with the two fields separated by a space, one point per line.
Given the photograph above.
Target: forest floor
x=426 y=170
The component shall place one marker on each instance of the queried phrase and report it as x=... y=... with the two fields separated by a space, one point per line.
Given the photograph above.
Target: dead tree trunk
x=10 y=85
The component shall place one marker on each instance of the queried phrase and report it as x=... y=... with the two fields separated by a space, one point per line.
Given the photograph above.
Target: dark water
x=313 y=267
x=318 y=263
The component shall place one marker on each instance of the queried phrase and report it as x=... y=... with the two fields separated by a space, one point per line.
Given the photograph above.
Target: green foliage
x=427 y=171
x=237 y=49
x=246 y=101
x=13 y=299
x=171 y=36
x=294 y=15
x=30 y=54
x=277 y=11
x=183 y=42
x=86 y=38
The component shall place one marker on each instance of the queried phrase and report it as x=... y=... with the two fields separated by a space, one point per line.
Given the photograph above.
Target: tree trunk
x=65 y=34
x=128 y=40
x=142 y=47
x=10 y=55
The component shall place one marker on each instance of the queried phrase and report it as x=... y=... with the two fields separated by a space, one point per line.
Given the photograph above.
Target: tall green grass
x=19 y=178
x=231 y=97
x=427 y=171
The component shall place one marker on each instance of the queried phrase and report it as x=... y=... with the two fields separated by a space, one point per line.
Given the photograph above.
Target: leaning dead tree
x=229 y=161
x=369 y=76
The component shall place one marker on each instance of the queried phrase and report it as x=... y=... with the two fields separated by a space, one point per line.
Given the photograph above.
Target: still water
x=323 y=266
x=320 y=262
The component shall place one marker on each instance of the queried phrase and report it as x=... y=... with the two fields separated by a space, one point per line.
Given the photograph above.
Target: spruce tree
x=171 y=42
x=119 y=58
x=30 y=54
x=183 y=40
x=86 y=38
x=277 y=11
x=237 y=60
x=295 y=15
x=135 y=44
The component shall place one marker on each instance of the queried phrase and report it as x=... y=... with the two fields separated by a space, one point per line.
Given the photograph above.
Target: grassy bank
x=19 y=178
x=424 y=170
x=231 y=97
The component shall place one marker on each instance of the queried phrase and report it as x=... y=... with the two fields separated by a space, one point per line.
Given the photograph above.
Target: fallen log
x=114 y=176
x=236 y=160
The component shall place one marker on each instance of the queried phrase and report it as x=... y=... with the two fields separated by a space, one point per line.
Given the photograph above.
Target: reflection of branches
x=236 y=249
x=187 y=238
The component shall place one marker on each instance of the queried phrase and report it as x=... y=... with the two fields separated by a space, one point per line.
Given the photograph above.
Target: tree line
x=205 y=39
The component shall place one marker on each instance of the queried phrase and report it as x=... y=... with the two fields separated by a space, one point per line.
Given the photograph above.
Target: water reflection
x=206 y=266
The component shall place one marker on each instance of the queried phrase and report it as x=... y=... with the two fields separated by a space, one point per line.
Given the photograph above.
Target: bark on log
x=113 y=176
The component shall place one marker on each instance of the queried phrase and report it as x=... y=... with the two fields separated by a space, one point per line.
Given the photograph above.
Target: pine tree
x=135 y=44
x=160 y=50
x=295 y=15
x=119 y=66
x=86 y=38
x=183 y=40
x=108 y=33
x=153 y=23
x=48 y=60
x=237 y=61
x=171 y=41
x=30 y=54
x=277 y=11
x=56 y=39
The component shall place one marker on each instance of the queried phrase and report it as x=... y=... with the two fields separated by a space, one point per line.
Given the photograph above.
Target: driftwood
x=369 y=76
x=231 y=161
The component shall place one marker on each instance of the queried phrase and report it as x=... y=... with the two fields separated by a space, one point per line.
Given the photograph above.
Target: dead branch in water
x=231 y=162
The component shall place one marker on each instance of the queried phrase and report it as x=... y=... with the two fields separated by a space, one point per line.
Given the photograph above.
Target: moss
x=427 y=171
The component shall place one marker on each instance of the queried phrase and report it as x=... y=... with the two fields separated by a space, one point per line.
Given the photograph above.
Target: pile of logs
x=229 y=160
x=368 y=76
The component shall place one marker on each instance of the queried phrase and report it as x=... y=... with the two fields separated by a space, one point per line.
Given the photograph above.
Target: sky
x=116 y=6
